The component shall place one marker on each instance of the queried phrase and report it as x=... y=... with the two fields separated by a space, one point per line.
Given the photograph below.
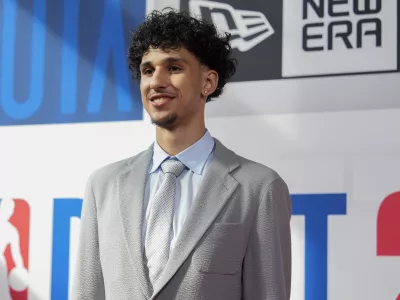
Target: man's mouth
x=159 y=101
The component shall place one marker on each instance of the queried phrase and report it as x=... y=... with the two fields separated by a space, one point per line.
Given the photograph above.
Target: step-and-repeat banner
x=316 y=97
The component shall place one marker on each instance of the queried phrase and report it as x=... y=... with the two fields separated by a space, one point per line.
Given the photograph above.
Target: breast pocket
x=222 y=250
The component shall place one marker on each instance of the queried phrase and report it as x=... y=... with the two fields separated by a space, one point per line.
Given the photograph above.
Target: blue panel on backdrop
x=65 y=61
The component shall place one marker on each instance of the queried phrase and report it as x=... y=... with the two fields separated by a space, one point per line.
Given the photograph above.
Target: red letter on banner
x=388 y=226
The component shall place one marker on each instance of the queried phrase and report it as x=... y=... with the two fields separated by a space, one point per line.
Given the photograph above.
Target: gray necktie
x=159 y=223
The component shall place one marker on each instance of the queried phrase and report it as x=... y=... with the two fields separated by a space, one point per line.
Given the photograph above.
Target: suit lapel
x=131 y=188
x=216 y=188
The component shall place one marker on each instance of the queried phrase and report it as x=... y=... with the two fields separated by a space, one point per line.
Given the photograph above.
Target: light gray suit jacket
x=235 y=244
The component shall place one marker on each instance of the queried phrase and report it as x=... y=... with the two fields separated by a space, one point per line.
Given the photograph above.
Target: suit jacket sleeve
x=267 y=263
x=88 y=280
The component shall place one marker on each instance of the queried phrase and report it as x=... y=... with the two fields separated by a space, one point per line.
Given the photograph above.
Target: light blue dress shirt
x=196 y=158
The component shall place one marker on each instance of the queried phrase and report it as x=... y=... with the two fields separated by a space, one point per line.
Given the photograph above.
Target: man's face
x=171 y=85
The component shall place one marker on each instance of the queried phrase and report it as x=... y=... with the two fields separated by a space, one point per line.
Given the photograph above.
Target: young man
x=186 y=219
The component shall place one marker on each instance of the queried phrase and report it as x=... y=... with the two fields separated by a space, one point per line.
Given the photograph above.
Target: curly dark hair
x=170 y=29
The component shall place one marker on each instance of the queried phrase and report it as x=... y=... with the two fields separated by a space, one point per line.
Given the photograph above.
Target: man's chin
x=167 y=122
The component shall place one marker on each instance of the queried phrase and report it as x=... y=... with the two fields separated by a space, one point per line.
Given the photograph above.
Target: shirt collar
x=193 y=157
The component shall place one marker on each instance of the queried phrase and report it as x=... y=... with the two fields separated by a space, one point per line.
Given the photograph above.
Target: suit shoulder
x=257 y=172
x=259 y=180
x=104 y=174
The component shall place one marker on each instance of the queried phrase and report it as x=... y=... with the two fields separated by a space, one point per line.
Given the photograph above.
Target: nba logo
x=14 y=249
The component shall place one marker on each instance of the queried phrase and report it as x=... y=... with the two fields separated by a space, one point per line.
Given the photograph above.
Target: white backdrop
x=334 y=135
x=356 y=153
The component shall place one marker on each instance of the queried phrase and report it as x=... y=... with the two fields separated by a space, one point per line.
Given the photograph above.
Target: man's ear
x=210 y=82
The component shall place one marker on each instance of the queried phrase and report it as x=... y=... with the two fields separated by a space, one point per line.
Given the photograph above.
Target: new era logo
x=256 y=33
x=14 y=249
x=248 y=28
x=339 y=37
x=278 y=39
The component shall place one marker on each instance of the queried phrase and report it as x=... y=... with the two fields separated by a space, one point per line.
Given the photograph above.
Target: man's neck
x=176 y=140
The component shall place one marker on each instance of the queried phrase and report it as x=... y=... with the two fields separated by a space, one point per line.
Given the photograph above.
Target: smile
x=158 y=102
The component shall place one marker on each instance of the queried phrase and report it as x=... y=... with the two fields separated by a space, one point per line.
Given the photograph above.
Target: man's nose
x=159 y=80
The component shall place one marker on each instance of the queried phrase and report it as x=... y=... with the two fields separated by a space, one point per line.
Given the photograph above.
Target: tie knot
x=173 y=166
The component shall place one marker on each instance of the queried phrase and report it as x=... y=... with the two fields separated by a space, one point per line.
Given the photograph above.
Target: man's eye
x=175 y=68
x=147 y=71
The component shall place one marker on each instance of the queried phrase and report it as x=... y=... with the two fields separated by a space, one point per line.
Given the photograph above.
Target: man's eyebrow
x=145 y=64
x=166 y=60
